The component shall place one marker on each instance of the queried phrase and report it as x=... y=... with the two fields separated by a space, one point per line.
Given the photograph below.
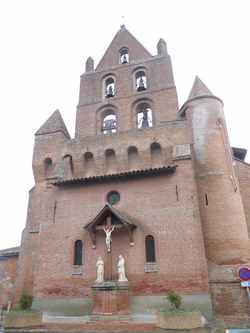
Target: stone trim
x=77 y=270
x=150 y=267
x=181 y=152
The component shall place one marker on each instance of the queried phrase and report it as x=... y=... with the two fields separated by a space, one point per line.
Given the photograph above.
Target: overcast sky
x=44 y=45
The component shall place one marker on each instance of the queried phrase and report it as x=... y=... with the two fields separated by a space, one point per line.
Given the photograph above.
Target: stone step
x=121 y=318
x=132 y=318
x=100 y=326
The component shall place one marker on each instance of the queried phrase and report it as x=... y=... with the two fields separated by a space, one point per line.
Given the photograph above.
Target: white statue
x=108 y=231
x=99 y=270
x=121 y=269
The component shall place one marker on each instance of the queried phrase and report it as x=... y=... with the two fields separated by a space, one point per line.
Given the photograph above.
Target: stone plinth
x=110 y=298
x=182 y=320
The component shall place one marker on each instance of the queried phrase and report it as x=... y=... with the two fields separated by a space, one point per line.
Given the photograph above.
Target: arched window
x=109 y=87
x=144 y=116
x=48 y=167
x=124 y=56
x=156 y=154
x=78 y=252
x=140 y=81
x=109 y=123
x=150 y=248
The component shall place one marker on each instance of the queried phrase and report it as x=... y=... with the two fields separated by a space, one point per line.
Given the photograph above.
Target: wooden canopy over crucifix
x=108 y=220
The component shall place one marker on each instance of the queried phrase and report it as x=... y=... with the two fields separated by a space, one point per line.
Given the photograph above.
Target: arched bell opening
x=140 y=81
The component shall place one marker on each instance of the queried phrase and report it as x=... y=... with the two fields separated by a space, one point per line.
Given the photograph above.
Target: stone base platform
x=110 y=298
x=99 y=323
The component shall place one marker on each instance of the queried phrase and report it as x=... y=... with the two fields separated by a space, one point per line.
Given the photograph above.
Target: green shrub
x=174 y=299
x=25 y=302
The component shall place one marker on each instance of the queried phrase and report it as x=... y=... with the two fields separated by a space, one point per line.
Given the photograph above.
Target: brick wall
x=243 y=172
x=153 y=205
x=8 y=268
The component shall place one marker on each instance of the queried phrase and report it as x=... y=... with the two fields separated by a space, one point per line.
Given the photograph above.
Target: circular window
x=113 y=197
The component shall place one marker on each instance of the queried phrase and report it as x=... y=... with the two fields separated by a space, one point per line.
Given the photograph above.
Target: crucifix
x=108 y=229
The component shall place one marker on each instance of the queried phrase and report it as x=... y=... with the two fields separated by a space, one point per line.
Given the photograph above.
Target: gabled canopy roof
x=125 y=223
x=123 y=38
x=106 y=211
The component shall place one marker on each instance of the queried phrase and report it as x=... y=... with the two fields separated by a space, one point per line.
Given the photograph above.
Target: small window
x=206 y=199
x=124 y=56
x=78 y=253
x=140 y=81
x=109 y=87
x=113 y=197
x=150 y=248
x=48 y=166
x=109 y=123
x=144 y=116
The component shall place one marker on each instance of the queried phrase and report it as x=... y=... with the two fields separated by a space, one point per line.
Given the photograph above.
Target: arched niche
x=156 y=154
x=110 y=161
x=68 y=166
x=89 y=163
x=133 y=157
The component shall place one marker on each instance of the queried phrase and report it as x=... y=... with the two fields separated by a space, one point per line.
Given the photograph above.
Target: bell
x=145 y=123
x=141 y=85
x=124 y=59
x=110 y=92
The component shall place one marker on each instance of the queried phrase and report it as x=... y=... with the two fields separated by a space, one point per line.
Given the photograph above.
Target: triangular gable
x=53 y=124
x=123 y=38
x=101 y=218
x=106 y=211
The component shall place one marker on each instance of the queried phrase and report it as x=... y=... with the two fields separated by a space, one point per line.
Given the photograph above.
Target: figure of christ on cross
x=108 y=229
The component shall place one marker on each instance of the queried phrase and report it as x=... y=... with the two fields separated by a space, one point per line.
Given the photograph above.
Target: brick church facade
x=165 y=175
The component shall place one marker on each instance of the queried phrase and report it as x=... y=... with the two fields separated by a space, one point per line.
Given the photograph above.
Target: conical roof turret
x=199 y=89
x=54 y=124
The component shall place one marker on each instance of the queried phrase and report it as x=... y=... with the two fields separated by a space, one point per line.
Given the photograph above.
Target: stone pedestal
x=110 y=298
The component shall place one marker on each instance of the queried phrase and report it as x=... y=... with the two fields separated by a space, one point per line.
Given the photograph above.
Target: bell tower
x=126 y=74
x=121 y=194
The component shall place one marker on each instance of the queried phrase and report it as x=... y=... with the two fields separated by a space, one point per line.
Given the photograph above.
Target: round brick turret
x=223 y=218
